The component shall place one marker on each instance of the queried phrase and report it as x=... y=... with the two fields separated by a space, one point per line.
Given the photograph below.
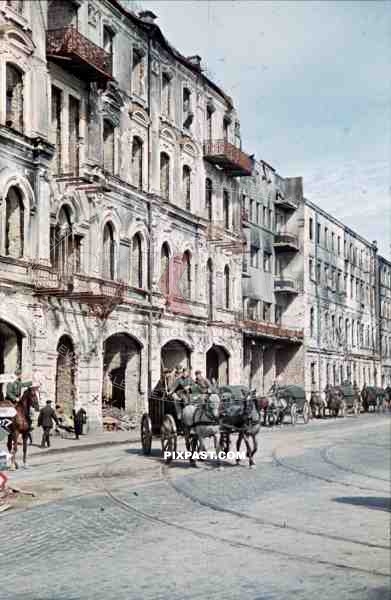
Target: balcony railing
x=272 y=330
x=285 y=202
x=286 y=241
x=287 y=285
x=78 y=54
x=227 y=156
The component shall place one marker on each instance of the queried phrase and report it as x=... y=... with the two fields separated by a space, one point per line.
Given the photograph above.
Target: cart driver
x=180 y=392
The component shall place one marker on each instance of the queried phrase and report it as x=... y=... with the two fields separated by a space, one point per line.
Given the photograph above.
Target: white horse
x=201 y=422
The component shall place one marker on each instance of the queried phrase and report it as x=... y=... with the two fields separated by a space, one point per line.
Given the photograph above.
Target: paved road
x=311 y=522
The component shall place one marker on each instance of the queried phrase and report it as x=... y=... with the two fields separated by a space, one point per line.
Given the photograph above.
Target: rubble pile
x=115 y=419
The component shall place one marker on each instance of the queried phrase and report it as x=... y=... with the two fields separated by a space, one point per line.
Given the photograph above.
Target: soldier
x=14 y=389
x=202 y=382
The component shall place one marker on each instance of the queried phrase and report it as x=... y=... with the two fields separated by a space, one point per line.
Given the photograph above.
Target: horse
x=250 y=429
x=20 y=424
x=272 y=410
x=201 y=422
x=387 y=398
x=369 y=397
x=335 y=401
x=317 y=405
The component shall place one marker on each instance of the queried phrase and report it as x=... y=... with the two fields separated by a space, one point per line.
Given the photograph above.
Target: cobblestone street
x=311 y=521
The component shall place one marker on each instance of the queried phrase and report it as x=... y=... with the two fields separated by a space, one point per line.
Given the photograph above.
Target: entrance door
x=65 y=375
x=10 y=351
x=217 y=365
x=122 y=372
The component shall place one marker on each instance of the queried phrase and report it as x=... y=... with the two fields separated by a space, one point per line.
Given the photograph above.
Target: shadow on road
x=374 y=502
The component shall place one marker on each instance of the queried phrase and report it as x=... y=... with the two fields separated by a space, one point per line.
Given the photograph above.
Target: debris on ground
x=115 y=419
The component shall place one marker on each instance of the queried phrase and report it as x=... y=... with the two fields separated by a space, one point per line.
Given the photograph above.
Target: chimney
x=195 y=61
x=147 y=16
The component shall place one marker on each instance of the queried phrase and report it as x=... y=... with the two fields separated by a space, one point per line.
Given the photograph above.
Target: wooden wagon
x=296 y=404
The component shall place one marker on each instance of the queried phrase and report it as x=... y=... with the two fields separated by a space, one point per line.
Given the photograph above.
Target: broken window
x=56 y=125
x=14 y=224
x=209 y=114
x=108 y=38
x=226 y=287
x=108 y=146
x=137 y=262
x=137 y=162
x=74 y=134
x=108 y=252
x=186 y=185
x=166 y=94
x=14 y=98
x=267 y=311
x=186 y=275
x=164 y=176
x=225 y=130
x=165 y=269
x=64 y=245
x=208 y=198
x=138 y=72
x=209 y=287
x=312 y=322
x=187 y=112
x=226 y=209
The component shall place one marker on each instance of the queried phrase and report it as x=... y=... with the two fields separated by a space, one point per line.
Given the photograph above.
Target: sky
x=312 y=83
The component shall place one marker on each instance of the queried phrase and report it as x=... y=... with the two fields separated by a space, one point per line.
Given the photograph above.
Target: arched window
x=137 y=261
x=208 y=198
x=108 y=147
x=209 y=287
x=137 y=162
x=226 y=209
x=165 y=269
x=64 y=245
x=108 y=252
x=186 y=275
x=14 y=224
x=186 y=186
x=226 y=287
x=14 y=98
x=165 y=176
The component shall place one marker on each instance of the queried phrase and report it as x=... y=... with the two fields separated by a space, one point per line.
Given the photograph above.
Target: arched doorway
x=65 y=375
x=217 y=365
x=121 y=372
x=10 y=351
x=175 y=354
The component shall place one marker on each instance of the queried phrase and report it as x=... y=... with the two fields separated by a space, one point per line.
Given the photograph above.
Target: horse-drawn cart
x=291 y=401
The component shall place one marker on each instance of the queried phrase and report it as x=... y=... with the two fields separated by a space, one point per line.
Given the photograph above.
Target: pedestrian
x=79 y=419
x=45 y=420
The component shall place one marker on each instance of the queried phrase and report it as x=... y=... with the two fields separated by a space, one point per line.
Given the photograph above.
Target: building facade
x=384 y=282
x=137 y=235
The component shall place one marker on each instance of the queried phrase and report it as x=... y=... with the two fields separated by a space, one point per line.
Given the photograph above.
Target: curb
x=84 y=447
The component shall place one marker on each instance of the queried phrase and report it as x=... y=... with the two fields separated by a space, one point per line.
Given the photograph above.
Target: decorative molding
x=93 y=15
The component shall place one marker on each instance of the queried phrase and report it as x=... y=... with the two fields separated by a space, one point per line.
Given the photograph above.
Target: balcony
x=271 y=330
x=285 y=202
x=286 y=286
x=100 y=295
x=77 y=54
x=228 y=157
x=286 y=242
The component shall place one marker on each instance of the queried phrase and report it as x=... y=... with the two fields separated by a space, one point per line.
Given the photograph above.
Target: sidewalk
x=100 y=439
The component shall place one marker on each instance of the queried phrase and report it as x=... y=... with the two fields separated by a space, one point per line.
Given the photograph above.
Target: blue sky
x=312 y=82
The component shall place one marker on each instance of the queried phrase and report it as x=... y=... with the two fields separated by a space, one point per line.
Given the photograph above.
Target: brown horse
x=21 y=424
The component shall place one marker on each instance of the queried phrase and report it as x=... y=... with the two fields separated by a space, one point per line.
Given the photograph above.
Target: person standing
x=79 y=418
x=45 y=420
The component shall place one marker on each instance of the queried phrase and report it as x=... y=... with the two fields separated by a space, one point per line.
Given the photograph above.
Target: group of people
x=47 y=415
x=179 y=384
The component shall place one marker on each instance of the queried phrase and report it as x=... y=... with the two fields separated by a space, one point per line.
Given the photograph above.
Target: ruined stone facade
x=384 y=316
x=136 y=235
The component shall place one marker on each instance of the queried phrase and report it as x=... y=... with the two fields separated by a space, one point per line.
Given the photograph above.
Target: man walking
x=79 y=419
x=45 y=420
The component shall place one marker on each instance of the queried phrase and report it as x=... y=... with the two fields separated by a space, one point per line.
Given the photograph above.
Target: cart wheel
x=146 y=434
x=293 y=414
x=306 y=412
x=168 y=432
x=342 y=410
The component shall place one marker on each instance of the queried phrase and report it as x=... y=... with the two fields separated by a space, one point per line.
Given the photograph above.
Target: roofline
x=154 y=30
x=337 y=222
x=385 y=260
